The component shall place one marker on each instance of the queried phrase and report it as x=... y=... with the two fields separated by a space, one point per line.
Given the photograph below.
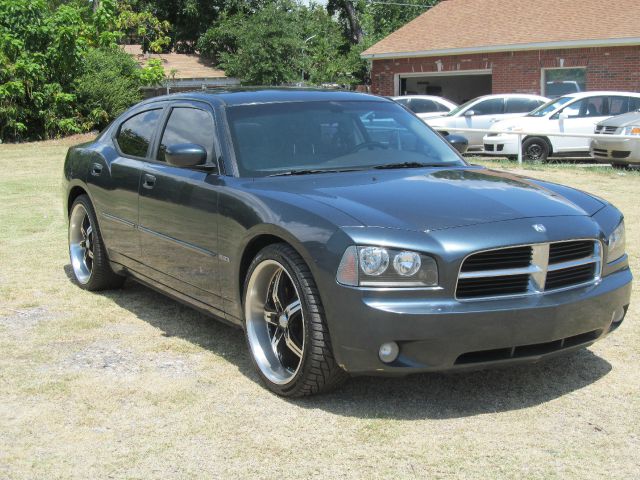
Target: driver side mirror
x=563 y=115
x=469 y=113
x=185 y=155
x=458 y=142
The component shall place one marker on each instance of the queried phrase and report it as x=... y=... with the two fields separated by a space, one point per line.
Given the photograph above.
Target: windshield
x=550 y=106
x=459 y=108
x=271 y=139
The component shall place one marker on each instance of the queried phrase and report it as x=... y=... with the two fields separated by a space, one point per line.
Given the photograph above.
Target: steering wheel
x=370 y=145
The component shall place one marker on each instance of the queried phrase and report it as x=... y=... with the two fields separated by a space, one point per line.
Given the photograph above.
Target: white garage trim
x=448 y=73
x=610 y=42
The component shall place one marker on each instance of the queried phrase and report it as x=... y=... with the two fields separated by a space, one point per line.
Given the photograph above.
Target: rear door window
x=618 y=105
x=135 y=133
x=188 y=125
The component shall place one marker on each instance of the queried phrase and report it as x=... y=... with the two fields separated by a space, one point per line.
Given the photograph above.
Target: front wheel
x=285 y=326
x=535 y=149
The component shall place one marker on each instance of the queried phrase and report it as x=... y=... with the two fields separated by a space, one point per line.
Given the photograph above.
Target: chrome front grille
x=601 y=129
x=529 y=269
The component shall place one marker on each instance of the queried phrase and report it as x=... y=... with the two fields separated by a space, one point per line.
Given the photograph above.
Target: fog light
x=388 y=352
x=617 y=315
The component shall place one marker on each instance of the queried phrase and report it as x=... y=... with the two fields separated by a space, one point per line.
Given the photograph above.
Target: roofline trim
x=607 y=42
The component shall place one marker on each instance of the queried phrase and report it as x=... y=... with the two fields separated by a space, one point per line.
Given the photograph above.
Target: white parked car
x=573 y=113
x=618 y=152
x=482 y=112
x=426 y=106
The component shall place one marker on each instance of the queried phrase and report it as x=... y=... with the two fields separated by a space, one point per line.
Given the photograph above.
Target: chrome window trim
x=538 y=270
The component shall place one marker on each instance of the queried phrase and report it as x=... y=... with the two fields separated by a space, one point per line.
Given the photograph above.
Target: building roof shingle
x=490 y=25
x=185 y=65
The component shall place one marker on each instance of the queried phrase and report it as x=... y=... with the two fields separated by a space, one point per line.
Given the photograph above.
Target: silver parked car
x=618 y=151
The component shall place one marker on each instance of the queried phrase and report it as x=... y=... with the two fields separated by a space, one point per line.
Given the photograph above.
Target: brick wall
x=608 y=68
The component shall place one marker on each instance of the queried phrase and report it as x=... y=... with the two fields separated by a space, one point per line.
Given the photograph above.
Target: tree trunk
x=96 y=5
x=355 y=29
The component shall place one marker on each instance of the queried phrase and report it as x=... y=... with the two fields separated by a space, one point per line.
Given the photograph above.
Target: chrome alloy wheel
x=81 y=243
x=274 y=322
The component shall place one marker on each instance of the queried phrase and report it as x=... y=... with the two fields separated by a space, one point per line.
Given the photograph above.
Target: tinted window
x=274 y=138
x=442 y=107
x=135 y=133
x=521 y=105
x=420 y=105
x=188 y=125
x=634 y=104
x=491 y=106
x=587 y=107
x=618 y=105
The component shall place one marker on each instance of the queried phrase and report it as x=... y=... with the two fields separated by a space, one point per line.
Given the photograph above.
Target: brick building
x=460 y=49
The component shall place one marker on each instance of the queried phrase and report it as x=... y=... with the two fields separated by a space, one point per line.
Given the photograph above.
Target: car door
x=114 y=186
x=179 y=207
x=485 y=113
x=579 y=117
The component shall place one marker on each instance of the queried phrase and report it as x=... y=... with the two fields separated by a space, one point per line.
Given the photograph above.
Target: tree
x=268 y=46
x=108 y=85
x=347 y=10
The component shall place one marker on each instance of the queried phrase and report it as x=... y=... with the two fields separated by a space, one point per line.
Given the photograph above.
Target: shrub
x=108 y=85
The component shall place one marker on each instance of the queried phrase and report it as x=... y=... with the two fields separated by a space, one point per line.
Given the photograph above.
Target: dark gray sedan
x=343 y=234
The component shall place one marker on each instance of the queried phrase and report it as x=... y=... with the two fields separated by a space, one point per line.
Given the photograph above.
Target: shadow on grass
x=436 y=396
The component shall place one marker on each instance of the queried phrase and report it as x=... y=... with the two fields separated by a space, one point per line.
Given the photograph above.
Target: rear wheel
x=535 y=149
x=88 y=256
x=285 y=326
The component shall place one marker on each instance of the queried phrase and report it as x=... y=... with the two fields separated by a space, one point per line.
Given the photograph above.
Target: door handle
x=96 y=169
x=149 y=181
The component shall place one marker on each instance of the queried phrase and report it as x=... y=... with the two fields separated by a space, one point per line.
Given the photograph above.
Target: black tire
x=317 y=370
x=619 y=166
x=535 y=149
x=100 y=275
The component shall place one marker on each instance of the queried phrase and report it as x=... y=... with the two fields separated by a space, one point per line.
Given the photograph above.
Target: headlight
x=373 y=260
x=386 y=267
x=615 y=243
x=632 y=130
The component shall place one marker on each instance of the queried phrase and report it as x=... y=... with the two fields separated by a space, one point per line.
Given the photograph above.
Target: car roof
x=257 y=95
x=426 y=97
x=597 y=93
x=512 y=95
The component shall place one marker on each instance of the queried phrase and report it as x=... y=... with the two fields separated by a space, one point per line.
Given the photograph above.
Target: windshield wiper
x=310 y=171
x=414 y=165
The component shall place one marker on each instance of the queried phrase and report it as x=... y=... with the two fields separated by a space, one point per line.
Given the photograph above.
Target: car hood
x=624 y=120
x=434 y=199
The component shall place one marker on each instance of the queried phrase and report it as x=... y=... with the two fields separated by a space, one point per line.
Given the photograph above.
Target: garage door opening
x=457 y=88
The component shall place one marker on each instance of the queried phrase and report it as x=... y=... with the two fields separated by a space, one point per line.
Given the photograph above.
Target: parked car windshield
x=549 y=107
x=460 y=108
x=312 y=137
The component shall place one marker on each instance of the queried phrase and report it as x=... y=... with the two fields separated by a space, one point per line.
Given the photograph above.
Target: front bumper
x=446 y=334
x=616 y=150
x=500 y=144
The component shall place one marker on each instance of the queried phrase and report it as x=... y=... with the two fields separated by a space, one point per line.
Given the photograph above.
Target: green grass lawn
x=129 y=384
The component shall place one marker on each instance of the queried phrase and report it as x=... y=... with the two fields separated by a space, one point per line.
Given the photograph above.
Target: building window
x=561 y=81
